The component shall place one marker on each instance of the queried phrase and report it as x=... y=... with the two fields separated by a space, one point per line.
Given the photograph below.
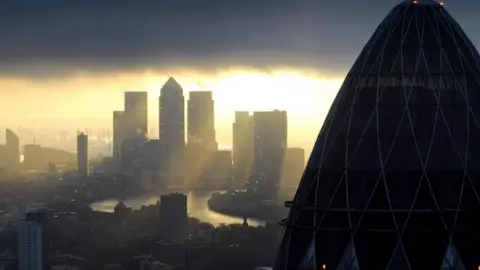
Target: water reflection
x=197 y=208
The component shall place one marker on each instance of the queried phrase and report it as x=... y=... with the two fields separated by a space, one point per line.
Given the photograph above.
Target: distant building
x=82 y=154
x=172 y=115
x=146 y=180
x=12 y=150
x=173 y=212
x=219 y=171
x=153 y=152
x=3 y=156
x=40 y=158
x=201 y=120
x=293 y=166
x=242 y=148
x=269 y=145
x=195 y=160
x=172 y=129
x=118 y=135
x=132 y=156
x=30 y=246
x=136 y=114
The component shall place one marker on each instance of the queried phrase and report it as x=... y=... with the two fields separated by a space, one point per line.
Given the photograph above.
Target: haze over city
x=67 y=64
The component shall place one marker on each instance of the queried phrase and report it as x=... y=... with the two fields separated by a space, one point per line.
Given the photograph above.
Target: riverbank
x=197 y=207
x=268 y=213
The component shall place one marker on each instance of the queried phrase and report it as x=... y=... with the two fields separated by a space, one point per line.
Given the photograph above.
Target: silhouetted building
x=118 y=135
x=393 y=179
x=269 y=145
x=242 y=148
x=13 y=150
x=172 y=116
x=293 y=166
x=201 y=122
x=173 y=213
x=136 y=114
x=82 y=154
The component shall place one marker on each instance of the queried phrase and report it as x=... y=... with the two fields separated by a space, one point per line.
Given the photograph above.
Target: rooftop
x=422 y=2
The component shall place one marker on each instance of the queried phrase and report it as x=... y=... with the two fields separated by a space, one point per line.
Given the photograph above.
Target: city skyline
x=84 y=85
x=131 y=98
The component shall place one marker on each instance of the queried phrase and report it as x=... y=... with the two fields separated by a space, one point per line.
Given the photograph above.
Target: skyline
x=301 y=130
x=51 y=76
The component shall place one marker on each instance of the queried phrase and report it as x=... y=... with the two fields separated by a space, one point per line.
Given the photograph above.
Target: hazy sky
x=74 y=58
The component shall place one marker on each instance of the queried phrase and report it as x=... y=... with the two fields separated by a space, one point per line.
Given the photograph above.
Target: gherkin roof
x=395 y=166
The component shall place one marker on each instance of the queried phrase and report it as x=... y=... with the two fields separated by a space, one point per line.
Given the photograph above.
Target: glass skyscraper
x=393 y=179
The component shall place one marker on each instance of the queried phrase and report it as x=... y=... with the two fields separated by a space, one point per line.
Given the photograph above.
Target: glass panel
x=349 y=259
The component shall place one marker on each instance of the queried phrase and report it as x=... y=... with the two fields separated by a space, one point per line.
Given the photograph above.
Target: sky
x=72 y=59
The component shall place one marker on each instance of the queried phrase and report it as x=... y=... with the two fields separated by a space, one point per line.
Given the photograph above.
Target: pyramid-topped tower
x=393 y=181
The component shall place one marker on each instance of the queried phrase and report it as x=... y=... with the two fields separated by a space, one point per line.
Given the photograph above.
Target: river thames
x=197 y=208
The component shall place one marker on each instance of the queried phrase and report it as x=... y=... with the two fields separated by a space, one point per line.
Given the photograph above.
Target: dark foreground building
x=393 y=181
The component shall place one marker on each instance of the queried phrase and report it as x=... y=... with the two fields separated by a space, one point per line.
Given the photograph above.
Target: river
x=197 y=208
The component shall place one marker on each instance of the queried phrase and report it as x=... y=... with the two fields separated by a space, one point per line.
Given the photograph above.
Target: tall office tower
x=269 y=145
x=82 y=154
x=242 y=148
x=118 y=135
x=12 y=150
x=172 y=116
x=201 y=120
x=136 y=114
x=293 y=166
x=393 y=181
x=30 y=245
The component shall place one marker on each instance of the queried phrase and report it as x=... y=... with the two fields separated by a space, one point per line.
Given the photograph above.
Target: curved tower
x=393 y=181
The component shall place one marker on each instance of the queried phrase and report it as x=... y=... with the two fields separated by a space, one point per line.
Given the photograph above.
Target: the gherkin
x=393 y=181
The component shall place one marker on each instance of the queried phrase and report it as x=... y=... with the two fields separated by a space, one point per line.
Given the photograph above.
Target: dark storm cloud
x=39 y=37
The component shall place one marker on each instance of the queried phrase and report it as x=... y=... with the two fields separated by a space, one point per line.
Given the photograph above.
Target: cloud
x=44 y=37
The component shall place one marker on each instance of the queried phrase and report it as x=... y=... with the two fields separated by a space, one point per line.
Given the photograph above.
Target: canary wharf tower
x=393 y=181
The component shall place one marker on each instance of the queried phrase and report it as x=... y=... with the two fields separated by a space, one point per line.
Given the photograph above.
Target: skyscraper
x=201 y=123
x=172 y=116
x=82 y=154
x=269 y=145
x=12 y=150
x=393 y=178
x=242 y=148
x=136 y=114
x=118 y=135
